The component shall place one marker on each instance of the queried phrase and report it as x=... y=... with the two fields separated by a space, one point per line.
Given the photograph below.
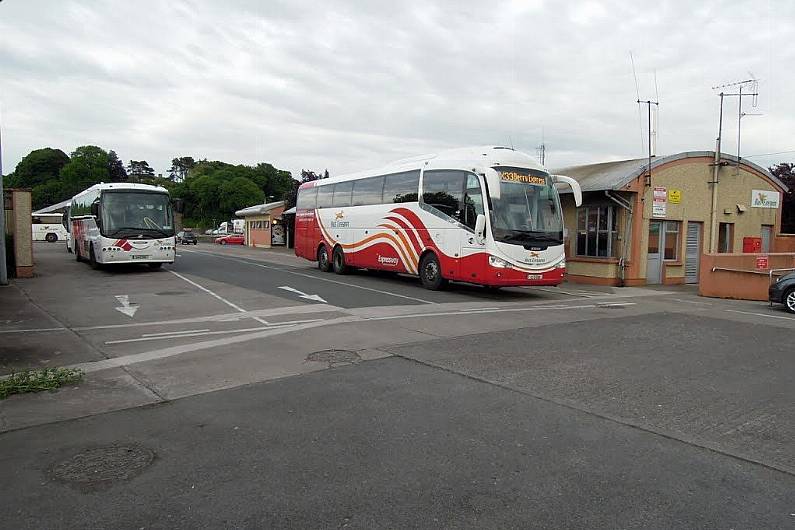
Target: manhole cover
x=170 y=293
x=334 y=357
x=104 y=464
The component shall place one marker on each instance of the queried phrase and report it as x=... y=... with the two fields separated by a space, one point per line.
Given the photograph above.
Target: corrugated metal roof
x=259 y=209
x=616 y=175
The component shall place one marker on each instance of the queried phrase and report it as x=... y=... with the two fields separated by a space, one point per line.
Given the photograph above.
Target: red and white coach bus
x=122 y=223
x=488 y=215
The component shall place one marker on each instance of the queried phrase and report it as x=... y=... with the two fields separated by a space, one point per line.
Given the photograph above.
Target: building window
x=671 y=240
x=596 y=231
x=726 y=237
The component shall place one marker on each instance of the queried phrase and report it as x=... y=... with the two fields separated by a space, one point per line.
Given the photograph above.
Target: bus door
x=471 y=245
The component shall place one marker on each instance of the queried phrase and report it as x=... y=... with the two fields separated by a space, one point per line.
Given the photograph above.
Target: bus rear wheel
x=51 y=238
x=323 y=263
x=431 y=273
x=338 y=261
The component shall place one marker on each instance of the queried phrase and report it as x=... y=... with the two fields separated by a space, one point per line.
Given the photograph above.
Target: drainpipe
x=627 y=228
x=713 y=232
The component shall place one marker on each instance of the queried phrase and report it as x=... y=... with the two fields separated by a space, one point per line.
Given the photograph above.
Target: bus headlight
x=499 y=263
x=561 y=265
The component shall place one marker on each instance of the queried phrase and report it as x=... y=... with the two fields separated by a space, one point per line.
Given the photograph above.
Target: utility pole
x=717 y=163
x=648 y=104
x=3 y=271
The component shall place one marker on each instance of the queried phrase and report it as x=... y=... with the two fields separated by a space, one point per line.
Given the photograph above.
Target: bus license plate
x=140 y=256
x=534 y=276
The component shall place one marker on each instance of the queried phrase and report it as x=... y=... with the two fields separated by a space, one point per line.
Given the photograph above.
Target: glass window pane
x=582 y=213
x=593 y=219
x=591 y=244
x=671 y=244
x=307 y=198
x=473 y=202
x=654 y=238
x=324 y=195
x=582 y=249
x=401 y=187
x=342 y=194
x=368 y=191
x=603 y=218
x=602 y=242
x=444 y=191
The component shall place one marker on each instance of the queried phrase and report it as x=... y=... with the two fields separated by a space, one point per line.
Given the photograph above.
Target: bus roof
x=465 y=158
x=122 y=186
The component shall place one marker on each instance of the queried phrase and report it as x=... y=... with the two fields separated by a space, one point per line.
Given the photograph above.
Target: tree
x=88 y=166
x=785 y=172
x=139 y=171
x=180 y=167
x=116 y=169
x=40 y=171
x=238 y=193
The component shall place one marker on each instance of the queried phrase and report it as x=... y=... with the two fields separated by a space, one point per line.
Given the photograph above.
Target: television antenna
x=652 y=136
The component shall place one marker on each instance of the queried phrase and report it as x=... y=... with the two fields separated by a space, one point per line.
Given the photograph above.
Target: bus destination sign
x=513 y=176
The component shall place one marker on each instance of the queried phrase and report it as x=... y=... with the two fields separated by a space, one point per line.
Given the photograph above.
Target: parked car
x=231 y=239
x=187 y=237
x=783 y=292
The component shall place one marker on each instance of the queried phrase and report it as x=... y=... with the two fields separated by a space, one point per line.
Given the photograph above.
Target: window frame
x=728 y=238
x=611 y=231
x=667 y=233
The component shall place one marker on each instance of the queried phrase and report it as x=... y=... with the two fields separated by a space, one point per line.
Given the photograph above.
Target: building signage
x=659 y=206
x=765 y=199
x=761 y=262
x=674 y=196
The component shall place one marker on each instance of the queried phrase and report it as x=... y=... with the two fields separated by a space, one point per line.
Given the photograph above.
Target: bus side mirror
x=179 y=205
x=480 y=227
x=574 y=185
x=95 y=208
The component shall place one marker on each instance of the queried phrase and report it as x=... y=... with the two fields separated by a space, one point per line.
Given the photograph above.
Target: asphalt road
x=527 y=408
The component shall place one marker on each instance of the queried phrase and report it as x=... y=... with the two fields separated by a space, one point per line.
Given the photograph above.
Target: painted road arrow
x=314 y=297
x=126 y=307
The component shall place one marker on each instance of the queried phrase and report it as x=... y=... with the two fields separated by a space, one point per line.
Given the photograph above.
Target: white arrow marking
x=126 y=307
x=314 y=297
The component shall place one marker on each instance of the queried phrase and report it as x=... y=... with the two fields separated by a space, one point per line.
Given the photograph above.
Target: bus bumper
x=509 y=277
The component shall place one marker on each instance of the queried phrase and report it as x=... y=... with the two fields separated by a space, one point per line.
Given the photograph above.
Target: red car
x=231 y=239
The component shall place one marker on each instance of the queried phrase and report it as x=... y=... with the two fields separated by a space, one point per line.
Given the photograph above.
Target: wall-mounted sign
x=674 y=196
x=660 y=204
x=765 y=199
x=761 y=262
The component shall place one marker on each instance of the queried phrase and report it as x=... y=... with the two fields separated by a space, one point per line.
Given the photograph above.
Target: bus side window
x=401 y=187
x=342 y=194
x=324 y=195
x=368 y=191
x=444 y=190
x=307 y=198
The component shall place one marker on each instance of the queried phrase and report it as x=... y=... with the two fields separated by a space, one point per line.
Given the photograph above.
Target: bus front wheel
x=431 y=273
x=323 y=263
x=338 y=261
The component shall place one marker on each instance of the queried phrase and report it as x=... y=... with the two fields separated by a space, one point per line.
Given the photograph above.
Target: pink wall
x=744 y=281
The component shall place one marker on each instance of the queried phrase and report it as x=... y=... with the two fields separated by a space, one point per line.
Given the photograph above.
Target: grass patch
x=38 y=380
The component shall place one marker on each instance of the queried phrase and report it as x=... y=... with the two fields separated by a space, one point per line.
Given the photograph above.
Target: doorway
x=767 y=235
x=654 y=254
x=693 y=251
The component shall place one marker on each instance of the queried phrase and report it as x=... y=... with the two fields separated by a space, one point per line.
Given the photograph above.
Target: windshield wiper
x=136 y=229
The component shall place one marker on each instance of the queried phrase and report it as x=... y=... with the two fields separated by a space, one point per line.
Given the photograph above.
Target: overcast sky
x=351 y=85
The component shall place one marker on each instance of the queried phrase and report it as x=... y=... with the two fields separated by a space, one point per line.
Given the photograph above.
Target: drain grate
x=102 y=465
x=334 y=357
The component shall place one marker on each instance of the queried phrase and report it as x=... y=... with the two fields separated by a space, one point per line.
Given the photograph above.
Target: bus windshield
x=127 y=213
x=528 y=210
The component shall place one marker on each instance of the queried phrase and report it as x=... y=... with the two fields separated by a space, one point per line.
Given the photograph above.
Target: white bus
x=49 y=227
x=122 y=223
x=485 y=215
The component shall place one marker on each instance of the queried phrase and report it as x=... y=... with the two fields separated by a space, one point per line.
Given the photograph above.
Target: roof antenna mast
x=648 y=104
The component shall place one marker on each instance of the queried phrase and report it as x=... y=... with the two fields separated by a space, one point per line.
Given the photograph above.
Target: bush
x=38 y=380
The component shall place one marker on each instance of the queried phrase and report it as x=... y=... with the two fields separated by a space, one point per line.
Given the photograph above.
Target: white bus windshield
x=126 y=213
x=528 y=210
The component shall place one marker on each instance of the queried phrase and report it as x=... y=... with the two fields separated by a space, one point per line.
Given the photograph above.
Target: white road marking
x=35 y=330
x=692 y=302
x=313 y=277
x=479 y=309
x=302 y=294
x=759 y=314
x=221 y=298
x=173 y=332
x=223 y=317
x=199 y=333
x=126 y=360
x=126 y=307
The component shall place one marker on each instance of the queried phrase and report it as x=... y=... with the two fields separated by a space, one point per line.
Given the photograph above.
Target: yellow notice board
x=674 y=196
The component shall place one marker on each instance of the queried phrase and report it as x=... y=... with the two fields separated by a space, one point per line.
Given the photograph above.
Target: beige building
x=636 y=228
x=264 y=227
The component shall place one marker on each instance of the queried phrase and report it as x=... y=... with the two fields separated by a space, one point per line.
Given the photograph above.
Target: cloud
x=349 y=85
